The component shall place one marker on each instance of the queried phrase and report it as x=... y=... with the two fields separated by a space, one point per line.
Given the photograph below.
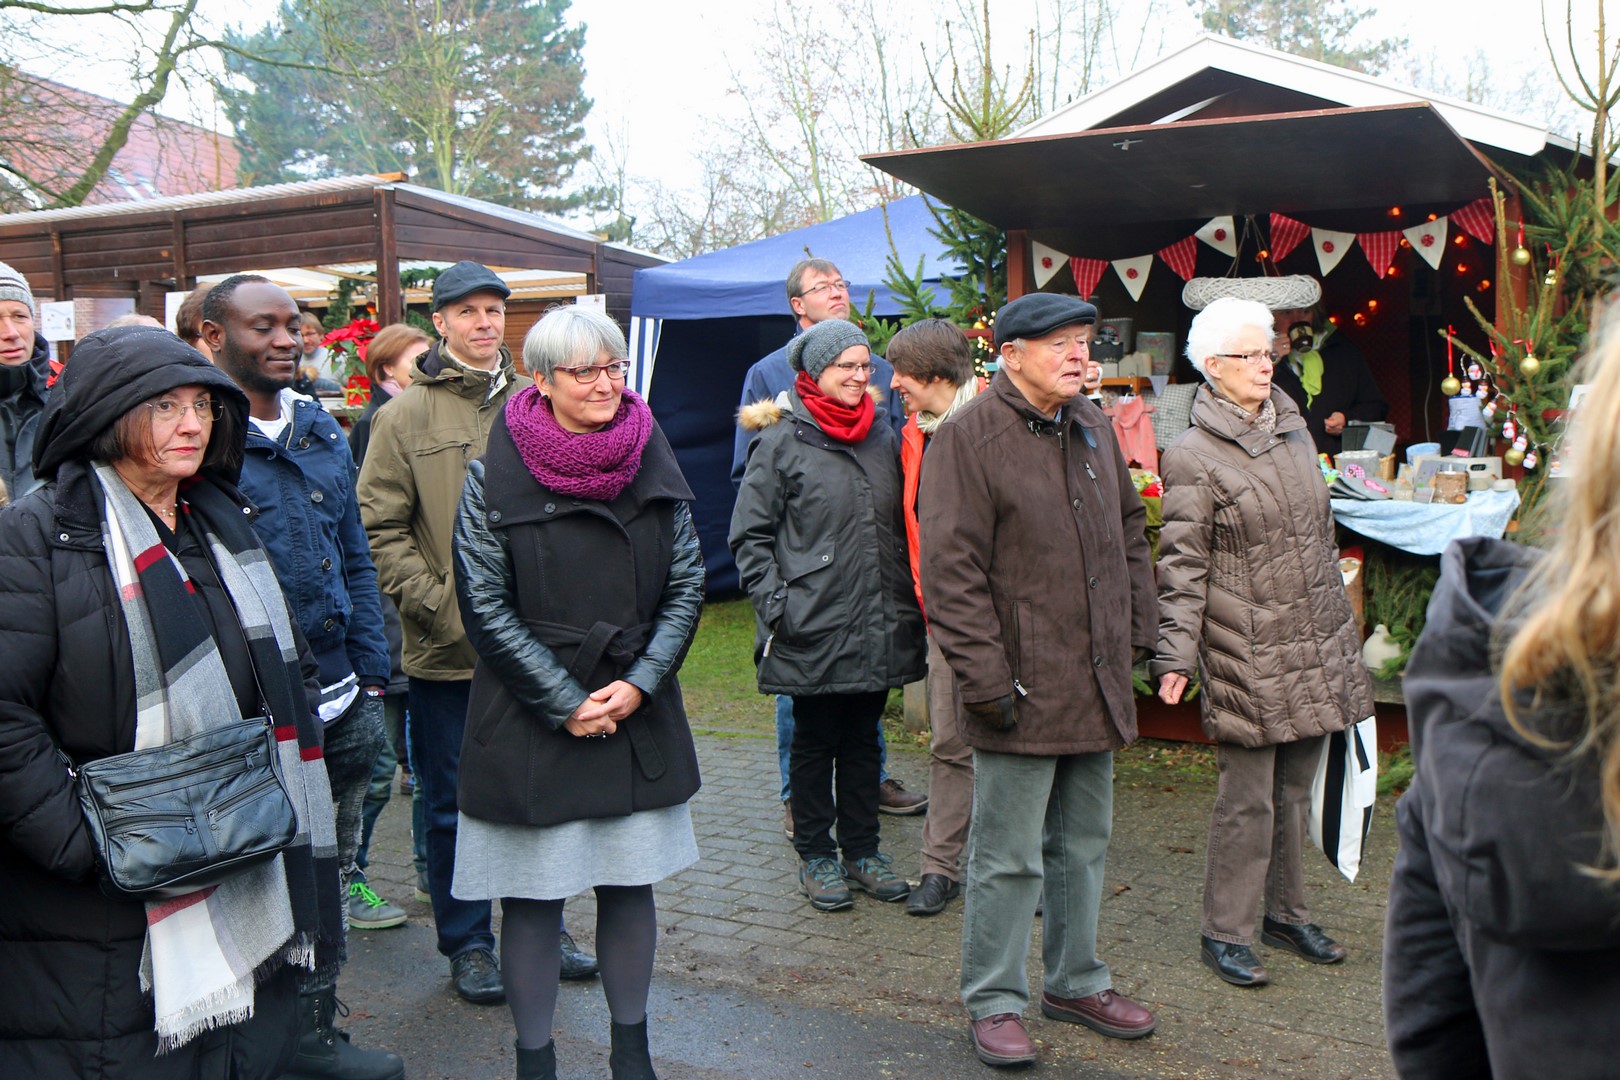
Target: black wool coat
x=561 y=596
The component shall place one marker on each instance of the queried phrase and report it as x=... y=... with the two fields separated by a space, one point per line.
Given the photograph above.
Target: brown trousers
x=1257 y=837
x=950 y=773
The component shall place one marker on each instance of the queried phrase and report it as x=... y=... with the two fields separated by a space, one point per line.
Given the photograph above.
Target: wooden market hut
x=143 y=250
x=1129 y=175
x=1225 y=128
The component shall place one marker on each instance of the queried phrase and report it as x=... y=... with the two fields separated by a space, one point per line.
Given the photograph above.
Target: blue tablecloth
x=1426 y=528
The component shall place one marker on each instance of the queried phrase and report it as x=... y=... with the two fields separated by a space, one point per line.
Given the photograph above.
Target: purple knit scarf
x=588 y=465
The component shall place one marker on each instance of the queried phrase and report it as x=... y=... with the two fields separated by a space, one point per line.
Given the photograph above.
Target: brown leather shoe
x=1106 y=1013
x=893 y=798
x=1001 y=1040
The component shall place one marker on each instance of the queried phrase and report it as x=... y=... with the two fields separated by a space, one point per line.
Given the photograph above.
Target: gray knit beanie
x=820 y=345
x=13 y=286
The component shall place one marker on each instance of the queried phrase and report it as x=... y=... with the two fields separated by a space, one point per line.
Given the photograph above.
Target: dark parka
x=1249 y=584
x=19 y=418
x=1501 y=954
x=73 y=1005
x=561 y=596
x=1036 y=571
x=821 y=549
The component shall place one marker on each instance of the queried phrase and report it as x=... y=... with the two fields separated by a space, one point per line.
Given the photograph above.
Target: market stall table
x=1426 y=528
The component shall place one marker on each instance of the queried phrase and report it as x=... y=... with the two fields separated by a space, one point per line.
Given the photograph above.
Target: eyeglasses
x=839 y=286
x=207 y=410
x=616 y=371
x=856 y=369
x=1248 y=357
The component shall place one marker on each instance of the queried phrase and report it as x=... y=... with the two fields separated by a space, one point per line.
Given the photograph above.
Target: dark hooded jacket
x=71 y=955
x=20 y=406
x=1348 y=387
x=1501 y=956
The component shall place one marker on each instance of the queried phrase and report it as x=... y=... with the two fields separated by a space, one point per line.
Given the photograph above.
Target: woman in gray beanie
x=821 y=547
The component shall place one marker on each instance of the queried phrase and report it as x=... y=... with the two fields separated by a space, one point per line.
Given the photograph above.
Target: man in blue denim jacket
x=298 y=471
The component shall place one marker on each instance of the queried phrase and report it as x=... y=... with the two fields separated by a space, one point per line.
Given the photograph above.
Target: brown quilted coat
x=1249 y=582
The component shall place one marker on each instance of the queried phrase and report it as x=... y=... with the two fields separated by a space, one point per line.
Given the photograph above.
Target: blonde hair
x=1570 y=602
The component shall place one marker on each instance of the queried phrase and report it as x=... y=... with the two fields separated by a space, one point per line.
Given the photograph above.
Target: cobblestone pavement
x=752 y=983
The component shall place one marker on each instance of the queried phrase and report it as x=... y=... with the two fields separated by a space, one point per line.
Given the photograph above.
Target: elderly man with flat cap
x=1039 y=591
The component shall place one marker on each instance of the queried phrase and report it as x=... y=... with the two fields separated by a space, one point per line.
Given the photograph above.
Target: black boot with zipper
x=538 y=1064
x=630 y=1059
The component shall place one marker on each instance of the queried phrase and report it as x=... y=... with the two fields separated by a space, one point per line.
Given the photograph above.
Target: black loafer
x=932 y=894
x=477 y=977
x=1307 y=941
x=576 y=962
x=1236 y=964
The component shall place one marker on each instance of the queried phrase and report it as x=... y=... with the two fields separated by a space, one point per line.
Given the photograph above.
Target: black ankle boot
x=630 y=1059
x=538 y=1064
x=325 y=1053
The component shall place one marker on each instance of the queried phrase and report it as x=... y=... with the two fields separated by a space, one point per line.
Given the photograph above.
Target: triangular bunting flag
x=1221 y=234
x=1286 y=235
x=1182 y=256
x=1048 y=261
x=1380 y=248
x=1330 y=247
x=1087 y=272
x=1134 y=273
x=1477 y=219
x=1428 y=240
x=1159 y=383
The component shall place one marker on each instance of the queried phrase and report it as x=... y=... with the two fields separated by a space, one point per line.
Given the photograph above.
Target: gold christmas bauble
x=1515 y=458
x=1520 y=256
x=1449 y=386
x=1529 y=366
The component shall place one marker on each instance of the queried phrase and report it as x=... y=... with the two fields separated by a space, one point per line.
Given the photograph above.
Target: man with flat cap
x=410 y=485
x=1039 y=591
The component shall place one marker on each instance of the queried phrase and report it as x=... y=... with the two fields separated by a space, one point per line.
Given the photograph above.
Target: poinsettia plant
x=349 y=342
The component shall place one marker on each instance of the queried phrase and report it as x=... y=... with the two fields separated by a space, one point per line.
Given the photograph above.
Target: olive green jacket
x=410 y=486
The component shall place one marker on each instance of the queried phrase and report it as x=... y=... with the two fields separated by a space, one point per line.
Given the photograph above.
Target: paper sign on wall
x=56 y=320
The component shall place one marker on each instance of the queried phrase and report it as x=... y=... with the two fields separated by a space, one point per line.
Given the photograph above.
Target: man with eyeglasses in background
x=410 y=486
x=298 y=472
x=816 y=291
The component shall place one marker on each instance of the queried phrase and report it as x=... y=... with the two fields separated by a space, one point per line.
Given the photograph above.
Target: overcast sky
x=660 y=72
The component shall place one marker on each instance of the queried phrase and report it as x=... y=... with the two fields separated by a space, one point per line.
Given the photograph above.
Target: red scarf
x=841 y=423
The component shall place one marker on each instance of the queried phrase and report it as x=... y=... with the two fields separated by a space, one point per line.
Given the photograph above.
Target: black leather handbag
x=186 y=815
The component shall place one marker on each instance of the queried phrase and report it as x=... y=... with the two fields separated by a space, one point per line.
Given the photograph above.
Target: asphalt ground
x=750 y=982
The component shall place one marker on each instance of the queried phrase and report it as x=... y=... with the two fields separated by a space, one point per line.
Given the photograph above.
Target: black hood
x=111 y=372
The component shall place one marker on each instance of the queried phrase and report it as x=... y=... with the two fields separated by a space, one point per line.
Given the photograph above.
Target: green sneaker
x=368 y=911
x=824 y=885
x=874 y=875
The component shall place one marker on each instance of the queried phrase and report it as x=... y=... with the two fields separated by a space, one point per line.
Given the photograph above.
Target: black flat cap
x=464 y=279
x=1038 y=314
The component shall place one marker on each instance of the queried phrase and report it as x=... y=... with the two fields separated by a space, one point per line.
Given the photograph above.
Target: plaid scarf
x=206 y=950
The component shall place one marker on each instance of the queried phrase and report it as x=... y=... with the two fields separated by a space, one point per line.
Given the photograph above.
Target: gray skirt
x=551 y=862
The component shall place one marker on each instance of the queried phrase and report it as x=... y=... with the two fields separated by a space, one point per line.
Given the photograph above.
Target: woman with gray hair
x=1250 y=594
x=580 y=580
x=821 y=548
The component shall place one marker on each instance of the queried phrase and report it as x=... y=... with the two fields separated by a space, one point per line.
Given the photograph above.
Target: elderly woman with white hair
x=580 y=580
x=1250 y=594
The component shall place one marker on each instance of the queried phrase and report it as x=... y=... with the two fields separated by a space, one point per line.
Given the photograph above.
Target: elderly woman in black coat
x=137 y=607
x=580 y=580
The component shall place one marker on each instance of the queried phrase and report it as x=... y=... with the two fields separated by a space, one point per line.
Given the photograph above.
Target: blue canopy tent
x=696 y=326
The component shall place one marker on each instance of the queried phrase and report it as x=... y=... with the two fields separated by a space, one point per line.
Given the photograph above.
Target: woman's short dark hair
x=391 y=343
x=130 y=436
x=932 y=349
x=188 y=317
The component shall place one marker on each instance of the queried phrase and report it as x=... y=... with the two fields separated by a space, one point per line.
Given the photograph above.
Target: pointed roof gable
x=1215 y=77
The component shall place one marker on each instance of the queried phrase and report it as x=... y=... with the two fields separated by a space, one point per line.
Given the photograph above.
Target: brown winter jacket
x=1036 y=571
x=1249 y=581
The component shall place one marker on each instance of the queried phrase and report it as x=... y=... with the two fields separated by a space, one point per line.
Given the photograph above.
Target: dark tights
x=531 y=957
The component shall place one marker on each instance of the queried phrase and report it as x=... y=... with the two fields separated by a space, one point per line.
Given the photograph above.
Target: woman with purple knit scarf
x=580 y=580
